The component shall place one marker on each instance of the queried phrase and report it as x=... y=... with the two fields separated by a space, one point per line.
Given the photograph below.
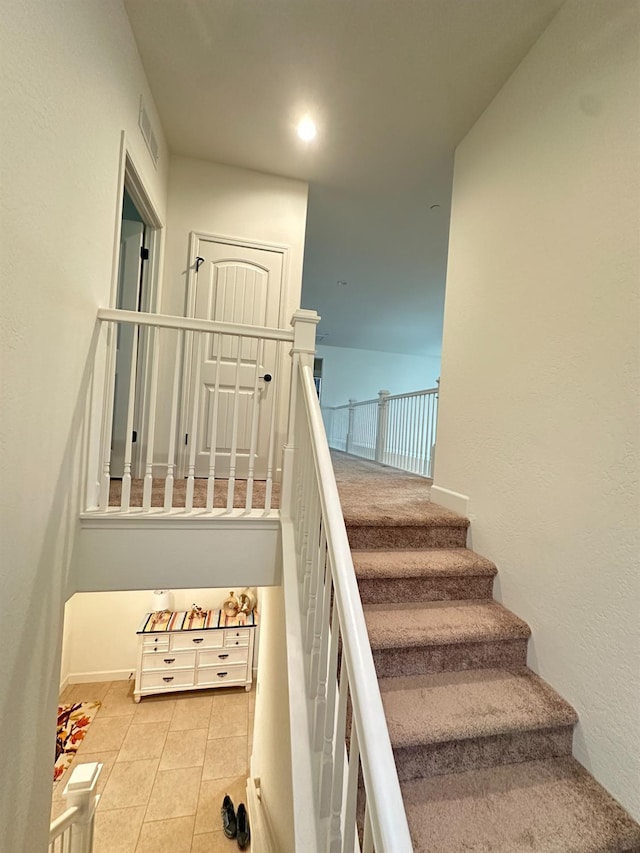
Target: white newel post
x=352 y=414
x=81 y=791
x=304 y=324
x=382 y=424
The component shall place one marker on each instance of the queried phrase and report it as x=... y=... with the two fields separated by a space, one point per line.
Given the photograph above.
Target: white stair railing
x=219 y=383
x=72 y=832
x=358 y=797
x=396 y=429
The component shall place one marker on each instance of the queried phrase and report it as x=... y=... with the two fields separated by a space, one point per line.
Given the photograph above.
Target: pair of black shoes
x=235 y=825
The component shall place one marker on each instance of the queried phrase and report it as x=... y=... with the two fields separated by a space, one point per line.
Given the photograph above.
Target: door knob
x=267 y=377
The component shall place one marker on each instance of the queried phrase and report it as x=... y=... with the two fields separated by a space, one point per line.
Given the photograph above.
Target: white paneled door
x=234 y=284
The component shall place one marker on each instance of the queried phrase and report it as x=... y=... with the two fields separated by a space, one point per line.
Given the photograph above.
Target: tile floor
x=168 y=762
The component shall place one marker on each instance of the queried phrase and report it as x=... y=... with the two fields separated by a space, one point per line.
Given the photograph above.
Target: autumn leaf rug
x=73 y=722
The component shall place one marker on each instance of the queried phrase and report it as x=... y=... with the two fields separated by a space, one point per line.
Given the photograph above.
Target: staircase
x=482 y=745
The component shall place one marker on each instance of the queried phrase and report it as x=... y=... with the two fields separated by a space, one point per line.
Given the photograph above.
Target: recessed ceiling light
x=341 y=283
x=306 y=129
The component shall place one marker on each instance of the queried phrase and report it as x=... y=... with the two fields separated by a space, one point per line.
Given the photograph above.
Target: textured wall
x=539 y=402
x=361 y=373
x=71 y=83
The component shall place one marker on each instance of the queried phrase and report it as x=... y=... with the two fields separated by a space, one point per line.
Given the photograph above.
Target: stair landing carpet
x=73 y=722
x=483 y=746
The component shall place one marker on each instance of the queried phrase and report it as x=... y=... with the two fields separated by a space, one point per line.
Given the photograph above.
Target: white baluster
x=323 y=662
x=326 y=764
x=198 y=348
x=255 y=408
x=81 y=791
x=233 y=456
x=349 y=836
x=337 y=784
x=151 y=420
x=382 y=424
x=367 y=840
x=213 y=435
x=107 y=417
x=173 y=423
x=125 y=498
x=272 y=431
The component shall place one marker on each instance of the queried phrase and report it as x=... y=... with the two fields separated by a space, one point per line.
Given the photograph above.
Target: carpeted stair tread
x=448 y=706
x=551 y=806
x=428 y=562
x=392 y=509
x=441 y=623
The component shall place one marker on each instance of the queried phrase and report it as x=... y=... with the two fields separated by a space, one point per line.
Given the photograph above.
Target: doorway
x=234 y=282
x=138 y=254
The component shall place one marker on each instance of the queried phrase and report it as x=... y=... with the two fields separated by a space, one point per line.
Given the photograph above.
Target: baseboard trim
x=64 y=684
x=102 y=675
x=451 y=500
x=262 y=840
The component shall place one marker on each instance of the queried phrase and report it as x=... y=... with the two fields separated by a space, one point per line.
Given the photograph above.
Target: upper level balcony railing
x=396 y=429
x=192 y=418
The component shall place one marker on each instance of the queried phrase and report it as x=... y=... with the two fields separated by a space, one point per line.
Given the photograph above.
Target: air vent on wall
x=147 y=132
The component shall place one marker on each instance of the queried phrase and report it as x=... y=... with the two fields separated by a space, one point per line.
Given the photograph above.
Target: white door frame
x=190 y=304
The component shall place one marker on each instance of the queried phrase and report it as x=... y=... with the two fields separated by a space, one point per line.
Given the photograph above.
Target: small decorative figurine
x=247 y=600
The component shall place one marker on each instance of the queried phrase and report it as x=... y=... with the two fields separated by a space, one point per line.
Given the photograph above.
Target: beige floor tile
x=117 y=831
x=154 y=709
x=225 y=757
x=130 y=784
x=143 y=740
x=184 y=749
x=213 y=842
x=212 y=792
x=117 y=703
x=124 y=685
x=105 y=734
x=92 y=691
x=174 y=794
x=166 y=836
x=192 y=713
x=229 y=719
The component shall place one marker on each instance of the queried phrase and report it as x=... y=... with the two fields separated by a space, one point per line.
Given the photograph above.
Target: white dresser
x=180 y=652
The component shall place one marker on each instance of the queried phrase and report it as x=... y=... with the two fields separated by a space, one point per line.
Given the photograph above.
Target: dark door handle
x=267 y=377
x=223 y=657
x=221 y=674
x=169 y=660
x=167 y=678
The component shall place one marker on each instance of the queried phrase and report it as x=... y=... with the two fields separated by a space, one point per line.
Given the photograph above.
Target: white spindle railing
x=72 y=832
x=349 y=735
x=229 y=427
x=397 y=430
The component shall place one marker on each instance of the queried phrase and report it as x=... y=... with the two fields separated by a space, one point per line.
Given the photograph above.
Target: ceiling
x=393 y=86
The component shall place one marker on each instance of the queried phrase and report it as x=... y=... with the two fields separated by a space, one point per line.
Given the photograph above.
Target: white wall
x=271 y=758
x=539 y=398
x=100 y=642
x=72 y=80
x=361 y=373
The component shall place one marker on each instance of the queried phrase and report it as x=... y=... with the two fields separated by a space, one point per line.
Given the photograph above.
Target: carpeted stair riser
x=420 y=660
x=389 y=537
x=396 y=590
x=457 y=756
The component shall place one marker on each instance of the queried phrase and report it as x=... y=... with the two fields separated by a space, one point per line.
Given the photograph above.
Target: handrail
x=389 y=397
x=63 y=822
x=390 y=831
x=193 y=324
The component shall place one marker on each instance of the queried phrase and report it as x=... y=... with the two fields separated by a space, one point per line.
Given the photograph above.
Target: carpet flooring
x=483 y=746
x=199 y=493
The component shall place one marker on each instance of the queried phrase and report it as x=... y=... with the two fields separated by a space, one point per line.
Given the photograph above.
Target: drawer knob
x=169 y=660
x=221 y=674
x=197 y=639
x=167 y=678
x=223 y=657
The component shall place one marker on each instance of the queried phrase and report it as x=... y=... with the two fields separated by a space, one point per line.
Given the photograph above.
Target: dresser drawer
x=164 y=681
x=225 y=656
x=237 y=637
x=167 y=660
x=156 y=642
x=196 y=640
x=233 y=674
